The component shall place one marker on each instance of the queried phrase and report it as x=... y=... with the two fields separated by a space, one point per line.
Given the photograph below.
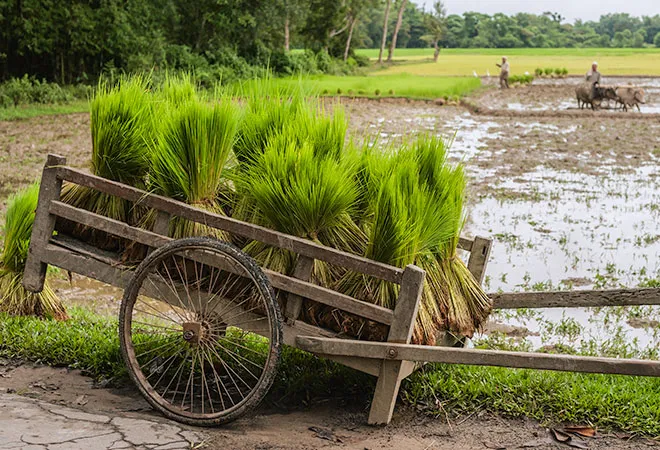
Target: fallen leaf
x=585 y=431
x=560 y=436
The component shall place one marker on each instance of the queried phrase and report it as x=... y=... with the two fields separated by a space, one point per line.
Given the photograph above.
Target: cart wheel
x=200 y=331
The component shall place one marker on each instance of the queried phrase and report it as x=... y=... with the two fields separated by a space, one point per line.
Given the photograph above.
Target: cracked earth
x=31 y=424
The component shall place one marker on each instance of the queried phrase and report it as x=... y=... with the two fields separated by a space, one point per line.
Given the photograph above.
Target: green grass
x=378 y=85
x=462 y=62
x=89 y=342
x=36 y=110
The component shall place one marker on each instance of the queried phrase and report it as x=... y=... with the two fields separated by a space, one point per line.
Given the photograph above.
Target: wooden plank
x=392 y=372
x=279 y=281
x=570 y=299
x=465 y=244
x=479 y=253
x=522 y=360
x=303 y=271
x=162 y=223
x=44 y=224
x=248 y=230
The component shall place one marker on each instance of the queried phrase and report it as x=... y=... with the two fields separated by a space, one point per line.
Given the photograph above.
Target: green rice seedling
x=122 y=130
x=14 y=298
x=564 y=71
x=294 y=190
x=178 y=89
x=548 y=71
x=558 y=71
x=190 y=157
x=538 y=72
x=461 y=300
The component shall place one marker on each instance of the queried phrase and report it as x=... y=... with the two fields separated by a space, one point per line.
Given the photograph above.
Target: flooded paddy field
x=570 y=202
x=558 y=95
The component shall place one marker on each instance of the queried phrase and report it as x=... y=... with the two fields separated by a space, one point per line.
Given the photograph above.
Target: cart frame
x=390 y=361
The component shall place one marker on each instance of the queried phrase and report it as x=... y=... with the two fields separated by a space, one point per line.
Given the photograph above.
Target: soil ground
x=501 y=147
x=61 y=392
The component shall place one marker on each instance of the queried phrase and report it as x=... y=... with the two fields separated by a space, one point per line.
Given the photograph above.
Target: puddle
x=569 y=230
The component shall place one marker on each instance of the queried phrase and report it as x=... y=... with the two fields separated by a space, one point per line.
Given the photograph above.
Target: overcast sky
x=571 y=9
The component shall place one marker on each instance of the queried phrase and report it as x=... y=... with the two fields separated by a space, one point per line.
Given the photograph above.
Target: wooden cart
x=200 y=326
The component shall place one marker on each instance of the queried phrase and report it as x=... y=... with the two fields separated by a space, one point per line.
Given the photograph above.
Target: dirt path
x=55 y=408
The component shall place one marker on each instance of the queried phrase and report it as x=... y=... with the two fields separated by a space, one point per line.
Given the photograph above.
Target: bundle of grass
x=122 y=131
x=294 y=190
x=404 y=227
x=14 y=298
x=189 y=161
x=460 y=299
x=177 y=89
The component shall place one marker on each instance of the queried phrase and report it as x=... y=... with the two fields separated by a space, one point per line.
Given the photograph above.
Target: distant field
x=400 y=85
x=35 y=110
x=463 y=62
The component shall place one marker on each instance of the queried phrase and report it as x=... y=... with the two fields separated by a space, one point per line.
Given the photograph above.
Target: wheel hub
x=193 y=332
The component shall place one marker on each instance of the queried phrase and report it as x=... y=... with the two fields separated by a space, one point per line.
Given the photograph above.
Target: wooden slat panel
x=279 y=281
x=465 y=244
x=522 y=360
x=248 y=230
x=479 y=253
x=568 y=299
x=303 y=271
x=119 y=277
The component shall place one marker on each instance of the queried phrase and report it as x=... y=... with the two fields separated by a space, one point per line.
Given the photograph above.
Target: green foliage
x=122 y=126
x=14 y=298
x=26 y=90
x=541 y=395
x=521 y=79
x=18 y=228
x=547 y=71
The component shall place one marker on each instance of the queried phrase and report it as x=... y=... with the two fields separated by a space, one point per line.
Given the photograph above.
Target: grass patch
x=463 y=62
x=373 y=86
x=618 y=402
x=89 y=342
x=36 y=110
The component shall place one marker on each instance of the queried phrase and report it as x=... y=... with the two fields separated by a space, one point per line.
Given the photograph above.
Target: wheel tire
x=201 y=334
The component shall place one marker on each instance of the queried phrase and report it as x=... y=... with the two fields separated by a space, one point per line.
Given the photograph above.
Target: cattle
x=588 y=94
x=629 y=96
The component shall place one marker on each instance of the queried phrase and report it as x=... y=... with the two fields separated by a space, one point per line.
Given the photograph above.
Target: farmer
x=504 y=73
x=593 y=78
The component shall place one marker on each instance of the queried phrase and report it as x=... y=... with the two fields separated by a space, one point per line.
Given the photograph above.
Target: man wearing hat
x=593 y=76
x=504 y=73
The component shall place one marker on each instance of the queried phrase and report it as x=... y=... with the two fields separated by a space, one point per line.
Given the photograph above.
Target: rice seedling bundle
x=294 y=190
x=122 y=128
x=189 y=159
x=14 y=298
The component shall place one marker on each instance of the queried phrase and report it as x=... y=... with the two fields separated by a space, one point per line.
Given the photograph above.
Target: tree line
x=75 y=40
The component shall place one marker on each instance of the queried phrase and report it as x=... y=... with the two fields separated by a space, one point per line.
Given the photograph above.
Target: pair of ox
x=623 y=96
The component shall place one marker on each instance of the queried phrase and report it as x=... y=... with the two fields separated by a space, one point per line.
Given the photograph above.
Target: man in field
x=593 y=76
x=504 y=73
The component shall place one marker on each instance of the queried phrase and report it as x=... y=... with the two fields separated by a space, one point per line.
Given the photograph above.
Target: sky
x=571 y=9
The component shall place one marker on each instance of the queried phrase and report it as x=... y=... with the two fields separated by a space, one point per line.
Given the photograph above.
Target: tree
x=656 y=40
x=397 y=27
x=435 y=23
x=383 y=41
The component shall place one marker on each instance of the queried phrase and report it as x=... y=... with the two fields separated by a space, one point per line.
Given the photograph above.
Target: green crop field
x=397 y=85
x=463 y=62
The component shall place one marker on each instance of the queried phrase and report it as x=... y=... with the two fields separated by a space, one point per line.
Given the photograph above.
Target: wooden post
x=479 y=254
x=44 y=224
x=162 y=223
x=392 y=372
x=303 y=271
